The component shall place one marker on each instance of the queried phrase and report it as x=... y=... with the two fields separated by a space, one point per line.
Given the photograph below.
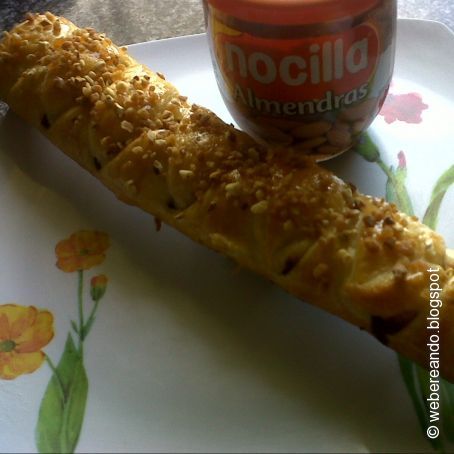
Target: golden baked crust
x=272 y=211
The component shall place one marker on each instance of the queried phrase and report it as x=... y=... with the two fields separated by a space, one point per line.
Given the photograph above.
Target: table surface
x=133 y=21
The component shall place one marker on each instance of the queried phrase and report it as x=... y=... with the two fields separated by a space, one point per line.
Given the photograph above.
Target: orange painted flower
x=82 y=251
x=98 y=285
x=24 y=331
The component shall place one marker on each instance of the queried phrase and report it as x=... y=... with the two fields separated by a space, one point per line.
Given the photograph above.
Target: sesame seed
x=56 y=28
x=110 y=92
x=122 y=86
x=59 y=82
x=131 y=185
x=260 y=207
x=100 y=65
x=214 y=174
x=127 y=126
x=186 y=173
x=86 y=91
x=233 y=188
x=235 y=174
x=151 y=135
x=157 y=166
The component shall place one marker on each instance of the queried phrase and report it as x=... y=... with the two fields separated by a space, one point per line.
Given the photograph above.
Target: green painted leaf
x=423 y=382
x=396 y=191
x=438 y=194
x=88 y=326
x=367 y=149
x=409 y=374
x=50 y=418
x=74 y=411
x=444 y=182
x=74 y=327
x=391 y=195
x=63 y=405
x=403 y=197
x=416 y=380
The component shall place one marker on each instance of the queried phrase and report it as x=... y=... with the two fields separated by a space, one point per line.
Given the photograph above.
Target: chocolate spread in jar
x=312 y=74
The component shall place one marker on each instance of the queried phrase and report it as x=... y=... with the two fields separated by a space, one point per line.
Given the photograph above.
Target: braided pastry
x=273 y=211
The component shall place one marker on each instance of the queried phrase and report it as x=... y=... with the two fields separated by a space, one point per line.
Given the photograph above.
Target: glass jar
x=312 y=74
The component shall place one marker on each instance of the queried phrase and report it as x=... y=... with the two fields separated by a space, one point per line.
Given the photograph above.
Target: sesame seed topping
x=165 y=132
x=59 y=82
x=86 y=91
x=260 y=207
x=157 y=166
x=127 y=126
x=122 y=86
x=233 y=188
x=186 y=173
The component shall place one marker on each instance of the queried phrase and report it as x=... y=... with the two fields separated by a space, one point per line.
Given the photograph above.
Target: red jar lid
x=292 y=12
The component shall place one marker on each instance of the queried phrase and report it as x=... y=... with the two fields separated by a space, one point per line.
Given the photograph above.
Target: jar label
x=296 y=77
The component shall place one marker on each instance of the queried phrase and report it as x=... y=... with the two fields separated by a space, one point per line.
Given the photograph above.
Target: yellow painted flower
x=82 y=251
x=98 y=286
x=24 y=331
